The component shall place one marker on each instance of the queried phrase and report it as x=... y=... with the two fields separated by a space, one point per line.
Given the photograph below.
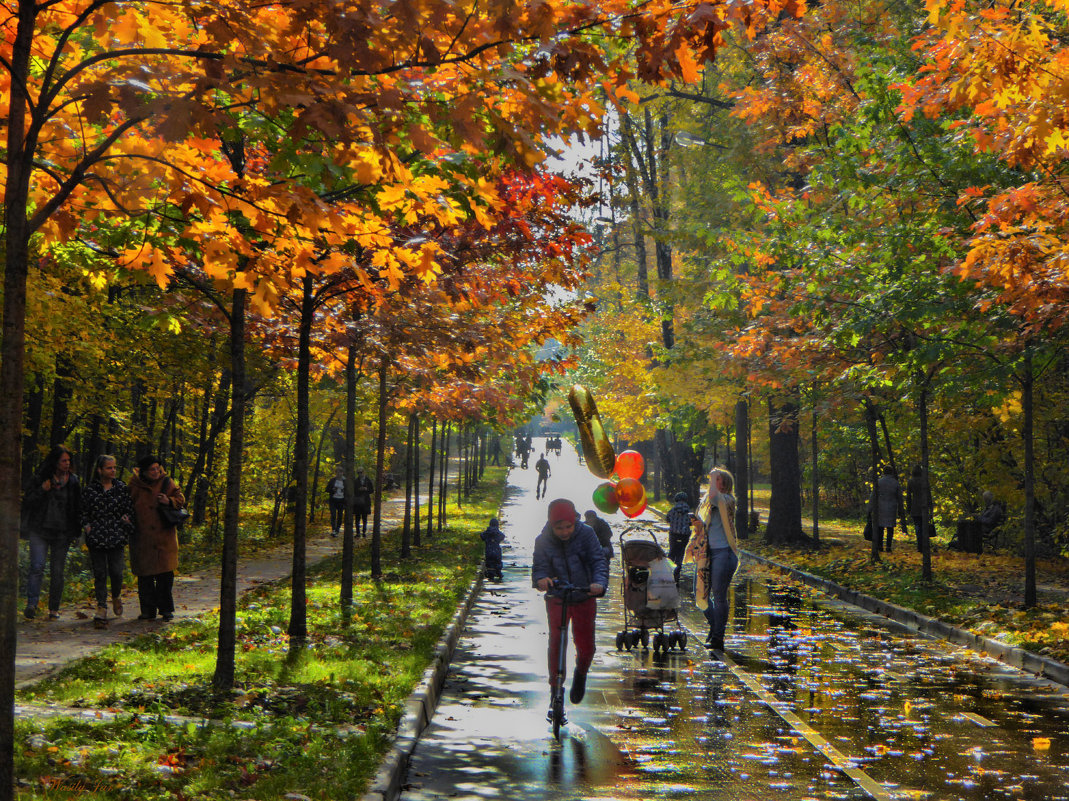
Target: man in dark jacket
x=603 y=531
x=568 y=551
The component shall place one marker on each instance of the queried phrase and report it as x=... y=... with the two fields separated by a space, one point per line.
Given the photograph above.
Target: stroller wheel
x=632 y=640
x=659 y=645
x=620 y=641
x=682 y=640
x=645 y=639
x=673 y=638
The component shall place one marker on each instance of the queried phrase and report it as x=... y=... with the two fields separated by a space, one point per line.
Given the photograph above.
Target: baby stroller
x=650 y=596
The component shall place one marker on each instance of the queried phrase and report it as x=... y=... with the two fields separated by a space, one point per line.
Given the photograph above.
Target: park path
x=44 y=646
x=815 y=699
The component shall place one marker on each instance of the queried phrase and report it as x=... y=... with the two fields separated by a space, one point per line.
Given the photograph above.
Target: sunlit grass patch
x=316 y=716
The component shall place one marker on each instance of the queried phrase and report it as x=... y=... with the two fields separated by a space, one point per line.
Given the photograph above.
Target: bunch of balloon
x=630 y=493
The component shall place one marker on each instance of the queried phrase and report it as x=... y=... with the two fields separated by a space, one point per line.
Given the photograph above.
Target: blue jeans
x=722 y=565
x=55 y=551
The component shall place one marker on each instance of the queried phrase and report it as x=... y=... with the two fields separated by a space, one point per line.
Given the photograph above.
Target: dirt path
x=44 y=646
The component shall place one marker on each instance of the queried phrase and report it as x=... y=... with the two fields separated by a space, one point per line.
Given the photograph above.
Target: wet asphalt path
x=814 y=700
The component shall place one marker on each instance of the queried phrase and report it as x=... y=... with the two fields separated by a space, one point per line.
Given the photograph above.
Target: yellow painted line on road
x=979 y=720
x=834 y=755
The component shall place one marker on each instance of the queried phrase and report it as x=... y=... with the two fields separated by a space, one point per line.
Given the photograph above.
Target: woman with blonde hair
x=713 y=548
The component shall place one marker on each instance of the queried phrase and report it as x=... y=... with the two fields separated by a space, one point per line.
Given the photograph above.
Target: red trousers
x=581 y=616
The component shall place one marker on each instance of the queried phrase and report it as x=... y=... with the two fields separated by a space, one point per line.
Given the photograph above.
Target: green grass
x=317 y=718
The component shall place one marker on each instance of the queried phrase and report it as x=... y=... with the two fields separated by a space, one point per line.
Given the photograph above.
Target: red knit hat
x=561 y=509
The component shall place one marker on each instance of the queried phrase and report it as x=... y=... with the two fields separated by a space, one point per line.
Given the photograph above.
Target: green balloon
x=605 y=498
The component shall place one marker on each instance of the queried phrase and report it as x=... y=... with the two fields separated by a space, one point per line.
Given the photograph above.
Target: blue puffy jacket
x=578 y=559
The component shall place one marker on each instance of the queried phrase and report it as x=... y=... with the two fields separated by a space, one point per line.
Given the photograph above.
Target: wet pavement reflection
x=814 y=700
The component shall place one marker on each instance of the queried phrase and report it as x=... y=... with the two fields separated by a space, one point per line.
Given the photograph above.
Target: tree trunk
x=223 y=678
x=1030 y=598
x=35 y=402
x=415 y=482
x=430 y=479
x=785 y=503
x=406 y=527
x=350 y=477
x=62 y=391
x=926 y=544
x=380 y=458
x=298 y=626
x=815 y=483
x=742 y=514
x=443 y=473
x=314 y=493
x=874 y=445
x=12 y=366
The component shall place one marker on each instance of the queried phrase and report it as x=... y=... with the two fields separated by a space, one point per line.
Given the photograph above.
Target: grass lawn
x=315 y=720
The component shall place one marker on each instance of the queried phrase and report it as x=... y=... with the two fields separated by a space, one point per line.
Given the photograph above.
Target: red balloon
x=629 y=464
x=605 y=498
x=634 y=511
x=629 y=492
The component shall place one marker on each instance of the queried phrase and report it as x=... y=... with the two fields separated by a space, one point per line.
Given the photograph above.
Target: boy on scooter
x=568 y=551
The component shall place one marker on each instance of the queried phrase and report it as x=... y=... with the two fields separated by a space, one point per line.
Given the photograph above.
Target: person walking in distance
x=567 y=550
x=362 y=490
x=678 y=518
x=884 y=505
x=542 y=468
x=492 y=538
x=52 y=508
x=602 y=529
x=108 y=521
x=336 y=495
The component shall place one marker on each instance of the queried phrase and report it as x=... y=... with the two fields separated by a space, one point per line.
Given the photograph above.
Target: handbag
x=172 y=516
x=868 y=527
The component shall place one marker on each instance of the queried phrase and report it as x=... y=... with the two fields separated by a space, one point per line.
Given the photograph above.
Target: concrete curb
x=1009 y=654
x=420 y=706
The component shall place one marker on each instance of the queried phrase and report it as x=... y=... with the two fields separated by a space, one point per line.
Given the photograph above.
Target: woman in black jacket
x=52 y=515
x=108 y=520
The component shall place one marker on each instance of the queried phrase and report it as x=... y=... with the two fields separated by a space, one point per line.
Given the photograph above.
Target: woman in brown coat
x=154 y=546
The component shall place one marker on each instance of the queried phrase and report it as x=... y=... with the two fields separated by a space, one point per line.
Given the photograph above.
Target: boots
x=100 y=620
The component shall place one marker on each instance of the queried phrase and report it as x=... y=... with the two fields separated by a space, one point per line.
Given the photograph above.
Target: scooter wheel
x=620 y=641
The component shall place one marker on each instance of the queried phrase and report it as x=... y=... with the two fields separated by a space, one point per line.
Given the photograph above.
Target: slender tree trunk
x=785 y=502
x=380 y=462
x=35 y=402
x=926 y=543
x=430 y=479
x=406 y=528
x=62 y=392
x=462 y=455
x=223 y=678
x=314 y=494
x=298 y=626
x=816 y=474
x=350 y=478
x=444 y=473
x=415 y=483
x=742 y=517
x=1030 y=597
x=894 y=469
x=874 y=444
